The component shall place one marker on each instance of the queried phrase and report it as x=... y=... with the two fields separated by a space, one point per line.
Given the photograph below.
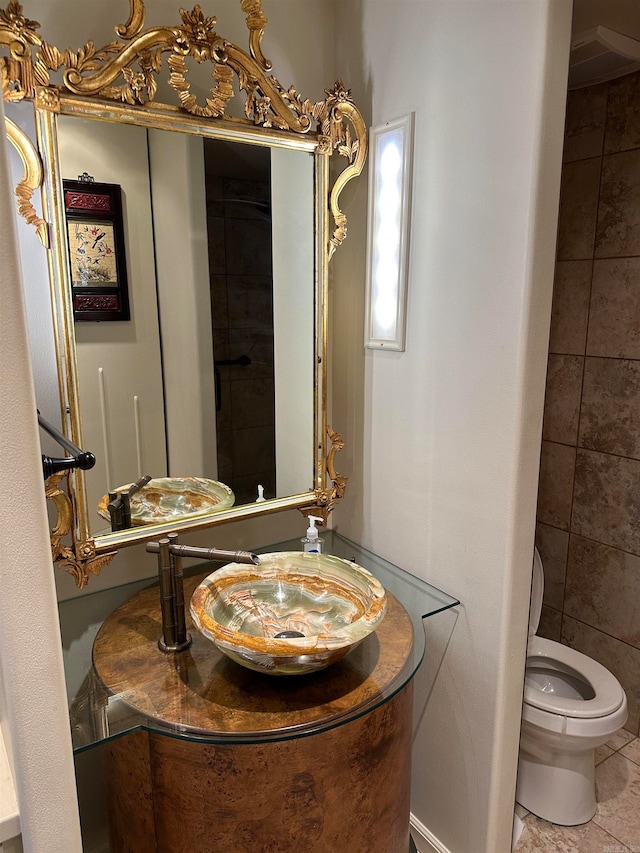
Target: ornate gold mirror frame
x=119 y=82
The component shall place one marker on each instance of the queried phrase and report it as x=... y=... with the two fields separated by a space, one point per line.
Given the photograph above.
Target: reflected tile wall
x=240 y=271
x=588 y=530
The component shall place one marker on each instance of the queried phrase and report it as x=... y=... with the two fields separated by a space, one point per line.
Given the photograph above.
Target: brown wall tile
x=253 y=450
x=223 y=413
x=578 y=209
x=603 y=589
x=623 y=114
x=218 y=292
x=562 y=398
x=246 y=488
x=585 y=123
x=614 y=319
x=593 y=583
x=216 y=245
x=557 y=462
x=606 y=500
x=570 y=308
x=248 y=247
x=253 y=402
x=619 y=658
x=250 y=302
x=610 y=415
x=553 y=545
x=550 y=626
x=618 y=229
x=258 y=345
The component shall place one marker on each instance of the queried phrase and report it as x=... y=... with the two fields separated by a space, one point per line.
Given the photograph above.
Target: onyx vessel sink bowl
x=174 y=498
x=294 y=613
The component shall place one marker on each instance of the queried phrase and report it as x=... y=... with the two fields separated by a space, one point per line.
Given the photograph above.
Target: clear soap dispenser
x=312 y=542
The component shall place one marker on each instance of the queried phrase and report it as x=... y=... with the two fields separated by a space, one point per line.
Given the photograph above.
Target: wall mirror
x=188 y=251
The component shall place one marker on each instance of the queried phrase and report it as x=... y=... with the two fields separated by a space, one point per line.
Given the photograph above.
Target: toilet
x=572 y=704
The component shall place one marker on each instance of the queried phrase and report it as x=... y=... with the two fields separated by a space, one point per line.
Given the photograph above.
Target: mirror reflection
x=213 y=375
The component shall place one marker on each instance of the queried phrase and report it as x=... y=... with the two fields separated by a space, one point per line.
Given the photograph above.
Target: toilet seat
x=609 y=695
x=572 y=705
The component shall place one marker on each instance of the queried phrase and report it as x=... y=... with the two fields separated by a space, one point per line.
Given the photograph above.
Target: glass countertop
x=201 y=695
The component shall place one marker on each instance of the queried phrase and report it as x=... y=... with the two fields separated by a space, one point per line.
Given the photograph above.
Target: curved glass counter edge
x=138 y=722
x=419 y=598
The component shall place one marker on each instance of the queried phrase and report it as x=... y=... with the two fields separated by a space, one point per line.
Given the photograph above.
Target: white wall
x=443 y=440
x=36 y=733
x=292 y=203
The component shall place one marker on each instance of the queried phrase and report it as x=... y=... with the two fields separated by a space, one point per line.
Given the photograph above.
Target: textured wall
x=443 y=439
x=588 y=527
x=35 y=725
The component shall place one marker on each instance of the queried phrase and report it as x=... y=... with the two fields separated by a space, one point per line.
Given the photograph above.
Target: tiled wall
x=588 y=529
x=241 y=276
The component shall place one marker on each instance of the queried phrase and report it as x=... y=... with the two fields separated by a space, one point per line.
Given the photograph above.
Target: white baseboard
x=424 y=839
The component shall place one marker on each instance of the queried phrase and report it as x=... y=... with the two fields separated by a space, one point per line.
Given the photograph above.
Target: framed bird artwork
x=97 y=258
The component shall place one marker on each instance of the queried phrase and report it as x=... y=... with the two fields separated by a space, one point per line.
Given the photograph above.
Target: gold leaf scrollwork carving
x=18 y=34
x=79 y=559
x=135 y=22
x=30 y=182
x=16 y=31
x=327 y=498
x=342 y=122
x=256 y=22
x=47 y=99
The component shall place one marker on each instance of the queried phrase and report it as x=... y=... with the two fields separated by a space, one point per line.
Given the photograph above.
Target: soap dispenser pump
x=312 y=542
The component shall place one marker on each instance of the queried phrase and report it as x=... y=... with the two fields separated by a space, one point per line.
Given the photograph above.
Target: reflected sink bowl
x=294 y=613
x=174 y=498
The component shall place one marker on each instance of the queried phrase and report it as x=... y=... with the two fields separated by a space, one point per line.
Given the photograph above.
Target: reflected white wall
x=292 y=201
x=127 y=351
x=176 y=163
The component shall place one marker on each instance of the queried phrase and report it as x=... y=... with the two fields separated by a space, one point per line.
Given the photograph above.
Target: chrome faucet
x=175 y=637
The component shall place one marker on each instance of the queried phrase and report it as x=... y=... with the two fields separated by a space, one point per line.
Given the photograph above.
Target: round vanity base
x=345 y=789
x=233 y=761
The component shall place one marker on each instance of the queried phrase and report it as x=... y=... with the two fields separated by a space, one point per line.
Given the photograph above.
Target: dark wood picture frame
x=97 y=259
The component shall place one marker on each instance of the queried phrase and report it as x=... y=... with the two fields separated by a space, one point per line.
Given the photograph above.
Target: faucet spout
x=215 y=554
x=175 y=637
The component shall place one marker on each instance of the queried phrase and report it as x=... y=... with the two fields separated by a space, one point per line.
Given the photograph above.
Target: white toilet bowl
x=572 y=704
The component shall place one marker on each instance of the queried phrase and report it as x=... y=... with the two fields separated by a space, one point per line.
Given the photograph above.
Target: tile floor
x=615 y=828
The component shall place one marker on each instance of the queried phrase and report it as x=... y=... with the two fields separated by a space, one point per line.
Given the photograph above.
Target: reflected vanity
x=217 y=367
